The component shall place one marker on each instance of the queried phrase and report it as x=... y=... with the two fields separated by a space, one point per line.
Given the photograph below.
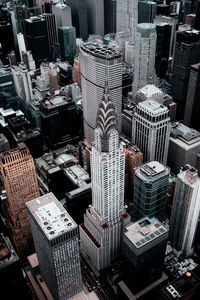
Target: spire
x=106 y=118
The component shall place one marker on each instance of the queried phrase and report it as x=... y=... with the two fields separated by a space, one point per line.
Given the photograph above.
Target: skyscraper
x=51 y=29
x=150 y=191
x=145 y=50
x=185 y=211
x=127 y=17
x=79 y=17
x=67 y=41
x=37 y=38
x=184 y=144
x=95 y=15
x=144 y=244
x=151 y=130
x=97 y=62
x=56 y=240
x=146 y=11
x=20 y=182
x=187 y=53
x=110 y=16
x=63 y=14
x=102 y=229
x=192 y=108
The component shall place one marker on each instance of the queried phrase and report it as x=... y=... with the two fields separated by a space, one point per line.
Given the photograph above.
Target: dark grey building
x=36 y=36
x=56 y=240
x=50 y=20
x=187 y=53
x=110 y=15
x=4 y=144
x=184 y=144
x=192 y=107
x=162 y=48
x=146 y=11
x=150 y=191
x=144 y=245
x=79 y=17
x=95 y=14
x=67 y=41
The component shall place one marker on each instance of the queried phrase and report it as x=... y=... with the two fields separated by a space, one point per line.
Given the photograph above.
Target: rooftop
x=101 y=51
x=153 y=107
x=149 y=90
x=51 y=216
x=144 y=231
x=7 y=252
x=184 y=133
x=152 y=168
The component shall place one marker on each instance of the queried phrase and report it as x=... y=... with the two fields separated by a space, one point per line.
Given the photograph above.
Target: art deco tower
x=102 y=229
x=20 y=182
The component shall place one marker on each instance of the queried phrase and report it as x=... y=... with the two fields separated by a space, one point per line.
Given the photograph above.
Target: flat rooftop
x=101 y=51
x=184 y=133
x=144 y=231
x=153 y=107
x=51 y=216
x=149 y=90
x=152 y=168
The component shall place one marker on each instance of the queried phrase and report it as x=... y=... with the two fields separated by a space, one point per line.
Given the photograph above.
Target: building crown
x=106 y=118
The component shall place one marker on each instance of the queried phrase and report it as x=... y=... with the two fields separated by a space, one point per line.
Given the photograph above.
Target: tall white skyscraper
x=151 y=130
x=56 y=240
x=185 y=211
x=145 y=50
x=102 y=229
x=126 y=23
x=127 y=17
x=97 y=63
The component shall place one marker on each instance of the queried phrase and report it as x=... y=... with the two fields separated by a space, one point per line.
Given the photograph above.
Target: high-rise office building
x=110 y=16
x=185 y=211
x=97 y=63
x=8 y=95
x=79 y=17
x=144 y=244
x=152 y=92
x=56 y=240
x=184 y=144
x=59 y=120
x=192 y=107
x=146 y=11
x=63 y=14
x=150 y=191
x=151 y=130
x=52 y=34
x=95 y=15
x=20 y=182
x=145 y=50
x=187 y=53
x=37 y=38
x=127 y=17
x=103 y=222
x=67 y=41
x=162 y=48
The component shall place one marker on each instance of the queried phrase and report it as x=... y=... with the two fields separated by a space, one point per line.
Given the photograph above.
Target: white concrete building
x=151 y=130
x=56 y=240
x=185 y=211
x=101 y=232
x=145 y=50
x=97 y=63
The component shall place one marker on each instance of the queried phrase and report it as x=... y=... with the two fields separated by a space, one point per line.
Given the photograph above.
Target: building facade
x=150 y=191
x=97 y=63
x=151 y=130
x=20 y=182
x=187 y=53
x=145 y=50
x=56 y=240
x=185 y=211
x=184 y=144
x=102 y=229
x=144 y=244
x=192 y=108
